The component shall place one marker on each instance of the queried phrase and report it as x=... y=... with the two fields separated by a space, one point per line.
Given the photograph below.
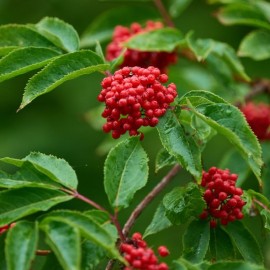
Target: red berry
x=163 y=251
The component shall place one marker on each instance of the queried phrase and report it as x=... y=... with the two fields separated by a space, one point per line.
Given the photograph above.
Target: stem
x=151 y=195
x=261 y=204
x=110 y=264
x=43 y=252
x=164 y=13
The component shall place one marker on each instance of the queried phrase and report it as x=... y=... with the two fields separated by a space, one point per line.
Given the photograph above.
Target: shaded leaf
x=182 y=147
x=64 y=240
x=182 y=264
x=102 y=27
x=22 y=60
x=164 y=39
x=164 y=159
x=60 y=33
x=196 y=241
x=21 y=202
x=64 y=68
x=51 y=263
x=55 y=168
x=245 y=242
x=125 y=172
x=235 y=266
x=159 y=221
x=178 y=6
x=13 y=36
x=3 y=264
x=255 y=45
x=182 y=203
x=21 y=245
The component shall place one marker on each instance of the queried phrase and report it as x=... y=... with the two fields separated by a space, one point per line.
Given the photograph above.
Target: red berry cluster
x=223 y=199
x=138 y=58
x=140 y=256
x=6 y=227
x=258 y=117
x=135 y=97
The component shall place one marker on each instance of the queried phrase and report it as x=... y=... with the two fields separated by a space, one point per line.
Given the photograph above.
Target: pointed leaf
x=245 y=242
x=102 y=27
x=227 y=120
x=18 y=203
x=125 y=172
x=164 y=39
x=182 y=147
x=182 y=203
x=22 y=60
x=164 y=159
x=55 y=168
x=196 y=241
x=64 y=240
x=178 y=6
x=64 y=68
x=256 y=45
x=88 y=228
x=21 y=245
x=245 y=14
x=159 y=221
x=13 y=36
x=60 y=33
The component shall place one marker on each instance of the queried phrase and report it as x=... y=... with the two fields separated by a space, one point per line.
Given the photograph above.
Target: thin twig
x=151 y=195
x=110 y=264
x=261 y=204
x=164 y=13
x=42 y=252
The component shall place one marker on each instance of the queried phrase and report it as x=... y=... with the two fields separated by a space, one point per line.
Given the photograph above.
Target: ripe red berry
x=163 y=251
x=131 y=96
x=139 y=58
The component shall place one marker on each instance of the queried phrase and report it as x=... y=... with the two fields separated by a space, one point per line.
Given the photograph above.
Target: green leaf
x=244 y=242
x=243 y=14
x=221 y=246
x=182 y=203
x=182 y=147
x=60 y=33
x=159 y=221
x=18 y=203
x=178 y=6
x=27 y=176
x=63 y=68
x=55 y=168
x=228 y=120
x=164 y=39
x=22 y=60
x=164 y=159
x=102 y=27
x=88 y=228
x=255 y=45
x=125 y=172
x=3 y=264
x=51 y=263
x=235 y=266
x=64 y=240
x=182 y=264
x=21 y=245
x=13 y=36
x=196 y=241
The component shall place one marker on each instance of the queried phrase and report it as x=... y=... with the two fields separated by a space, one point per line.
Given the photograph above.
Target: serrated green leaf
x=178 y=6
x=64 y=240
x=60 y=33
x=18 y=203
x=255 y=45
x=266 y=214
x=221 y=246
x=27 y=176
x=89 y=228
x=164 y=39
x=22 y=60
x=102 y=27
x=245 y=242
x=60 y=70
x=99 y=51
x=159 y=221
x=227 y=120
x=55 y=168
x=125 y=172
x=182 y=147
x=21 y=244
x=183 y=203
x=235 y=266
x=164 y=159
x=243 y=14
x=196 y=241
x=13 y=36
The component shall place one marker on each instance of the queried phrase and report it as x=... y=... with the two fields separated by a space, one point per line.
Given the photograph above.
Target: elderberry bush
x=175 y=138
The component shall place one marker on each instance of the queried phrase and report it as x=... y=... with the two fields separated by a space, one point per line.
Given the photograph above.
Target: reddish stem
x=164 y=13
x=43 y=252
x=261 y=204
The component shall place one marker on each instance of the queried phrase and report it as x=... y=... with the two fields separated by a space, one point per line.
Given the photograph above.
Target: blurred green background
x=56 y=123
